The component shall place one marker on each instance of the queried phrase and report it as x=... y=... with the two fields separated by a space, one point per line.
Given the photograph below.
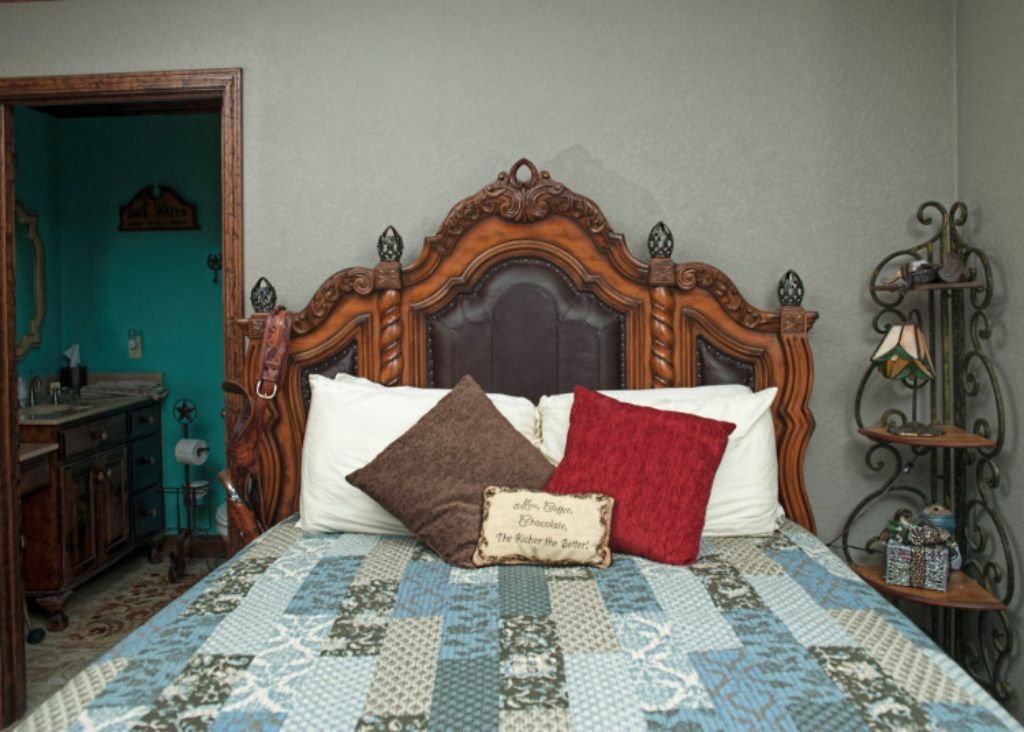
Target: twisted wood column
x=661 y=277
x=387 y=279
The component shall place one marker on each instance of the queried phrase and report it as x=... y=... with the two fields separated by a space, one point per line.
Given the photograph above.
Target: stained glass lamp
x=903 y=356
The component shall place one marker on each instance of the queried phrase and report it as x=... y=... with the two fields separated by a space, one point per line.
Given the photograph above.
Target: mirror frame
x=33 y=337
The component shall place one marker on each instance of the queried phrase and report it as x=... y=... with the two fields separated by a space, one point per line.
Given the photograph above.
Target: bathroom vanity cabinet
x=103 y=501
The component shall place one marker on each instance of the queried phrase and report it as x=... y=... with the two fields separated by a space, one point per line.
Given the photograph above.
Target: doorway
x=173 y=92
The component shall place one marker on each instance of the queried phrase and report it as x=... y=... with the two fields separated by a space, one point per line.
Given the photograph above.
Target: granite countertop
x=30 y=450
x=58 y=415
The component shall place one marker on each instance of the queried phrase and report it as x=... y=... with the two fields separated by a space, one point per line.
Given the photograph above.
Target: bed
x=527 y=288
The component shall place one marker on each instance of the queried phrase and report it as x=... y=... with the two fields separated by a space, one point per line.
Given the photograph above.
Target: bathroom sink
x=52 y=411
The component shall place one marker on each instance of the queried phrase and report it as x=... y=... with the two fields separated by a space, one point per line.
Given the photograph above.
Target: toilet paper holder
x=188 y=451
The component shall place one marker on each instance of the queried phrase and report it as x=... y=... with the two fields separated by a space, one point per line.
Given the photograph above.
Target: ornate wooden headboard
x=526 y=287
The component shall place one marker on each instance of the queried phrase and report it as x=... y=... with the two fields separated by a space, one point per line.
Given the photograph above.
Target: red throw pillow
x=657 y=465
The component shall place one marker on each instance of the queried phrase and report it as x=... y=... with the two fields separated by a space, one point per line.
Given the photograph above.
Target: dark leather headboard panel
x=716 y=367
x=525 y=329
x=345 y=361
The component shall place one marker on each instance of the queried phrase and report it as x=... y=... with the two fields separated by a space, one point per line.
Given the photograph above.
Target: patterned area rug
x=101 y=613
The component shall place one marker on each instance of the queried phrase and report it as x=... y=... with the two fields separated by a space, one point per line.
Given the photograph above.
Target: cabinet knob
x=151 y=513
x=147 y=461
x=147 y=419
x=99 y=435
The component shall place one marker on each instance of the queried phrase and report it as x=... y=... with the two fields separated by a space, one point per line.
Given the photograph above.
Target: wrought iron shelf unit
x=957 y=469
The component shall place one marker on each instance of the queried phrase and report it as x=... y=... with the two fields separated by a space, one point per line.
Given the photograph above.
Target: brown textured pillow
x=433 y=477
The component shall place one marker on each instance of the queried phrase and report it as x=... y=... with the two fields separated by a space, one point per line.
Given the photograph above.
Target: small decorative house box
x=918 y=556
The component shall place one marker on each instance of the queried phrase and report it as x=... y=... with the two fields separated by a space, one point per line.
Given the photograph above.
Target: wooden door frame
x=203 y=85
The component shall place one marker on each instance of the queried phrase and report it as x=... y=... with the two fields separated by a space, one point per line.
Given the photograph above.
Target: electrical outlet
x=134 y=343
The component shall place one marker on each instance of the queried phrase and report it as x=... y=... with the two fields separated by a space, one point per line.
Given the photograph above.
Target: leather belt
x=243 y=443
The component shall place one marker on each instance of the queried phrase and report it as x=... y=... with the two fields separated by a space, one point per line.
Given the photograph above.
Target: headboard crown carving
x=526 y=286
x=524 y=202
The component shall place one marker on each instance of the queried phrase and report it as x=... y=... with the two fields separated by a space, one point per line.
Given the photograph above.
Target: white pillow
x=351 y=420
x=745 y=493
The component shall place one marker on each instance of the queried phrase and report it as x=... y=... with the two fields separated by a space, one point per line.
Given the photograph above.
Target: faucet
x=34 y=387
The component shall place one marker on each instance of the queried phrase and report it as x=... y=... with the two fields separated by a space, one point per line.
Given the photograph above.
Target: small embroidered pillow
x=522 y=526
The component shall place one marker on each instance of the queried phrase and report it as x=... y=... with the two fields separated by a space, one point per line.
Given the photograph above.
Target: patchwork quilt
x=361 y=632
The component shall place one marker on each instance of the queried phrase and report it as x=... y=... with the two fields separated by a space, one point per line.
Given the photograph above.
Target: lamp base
x=916 y=429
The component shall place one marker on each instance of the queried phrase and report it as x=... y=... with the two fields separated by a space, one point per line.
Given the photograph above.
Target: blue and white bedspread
x=347 y=631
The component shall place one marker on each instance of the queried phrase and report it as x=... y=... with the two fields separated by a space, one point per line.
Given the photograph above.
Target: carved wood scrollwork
x=525 y=202
x=354 y=279
x=689 y=276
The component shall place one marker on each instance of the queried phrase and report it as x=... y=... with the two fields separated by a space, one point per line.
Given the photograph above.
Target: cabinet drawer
x=144 y=421
x=146 y=462
x=147 y=514
x=94 y=435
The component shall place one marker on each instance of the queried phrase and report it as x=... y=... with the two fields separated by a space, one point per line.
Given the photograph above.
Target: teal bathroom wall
x=156 y=282
x=37 y=166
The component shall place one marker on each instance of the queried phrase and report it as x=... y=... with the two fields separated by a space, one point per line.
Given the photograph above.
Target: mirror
x=29 y=279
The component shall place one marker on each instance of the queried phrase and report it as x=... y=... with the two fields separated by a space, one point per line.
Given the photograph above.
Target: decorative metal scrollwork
x=966 y=393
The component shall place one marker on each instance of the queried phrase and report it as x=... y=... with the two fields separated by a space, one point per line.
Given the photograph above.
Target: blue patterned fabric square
x=424 y=590
x=779 y=663
x=467 y=694
x=318 y=593
x=523 y=590
x=743 y=700
x=624 y=588
x=830 y=591
x=470 y=626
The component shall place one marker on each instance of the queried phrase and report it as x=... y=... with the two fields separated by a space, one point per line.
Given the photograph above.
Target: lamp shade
x=903 y=354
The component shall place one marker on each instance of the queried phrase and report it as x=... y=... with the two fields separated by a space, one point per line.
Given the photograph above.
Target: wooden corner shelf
x=954 y=437
x=972 y=285
x=962 y=592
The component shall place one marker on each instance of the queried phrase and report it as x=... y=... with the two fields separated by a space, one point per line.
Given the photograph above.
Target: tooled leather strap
x=273 y=353
x=243 y=442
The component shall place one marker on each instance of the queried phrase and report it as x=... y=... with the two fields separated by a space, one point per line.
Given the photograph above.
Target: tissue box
x=925 y=566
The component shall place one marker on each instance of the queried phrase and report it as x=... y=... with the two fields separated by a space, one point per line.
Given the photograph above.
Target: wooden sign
x=148 y=211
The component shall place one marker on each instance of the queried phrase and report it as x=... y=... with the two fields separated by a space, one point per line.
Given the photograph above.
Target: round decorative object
x=185 y=411
x=940 y=517
x=389 y=245
x=659 y=241
x=263 y=296
x=953 y=268
x=791 y=289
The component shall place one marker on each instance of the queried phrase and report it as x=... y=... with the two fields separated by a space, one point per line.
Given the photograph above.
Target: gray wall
x=768 y=135
x=990 y=179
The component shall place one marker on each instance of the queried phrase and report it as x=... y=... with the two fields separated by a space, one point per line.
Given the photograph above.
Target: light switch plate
x=135 y=351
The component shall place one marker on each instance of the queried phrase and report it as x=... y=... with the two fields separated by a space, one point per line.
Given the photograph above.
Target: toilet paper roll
x=191 y=452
